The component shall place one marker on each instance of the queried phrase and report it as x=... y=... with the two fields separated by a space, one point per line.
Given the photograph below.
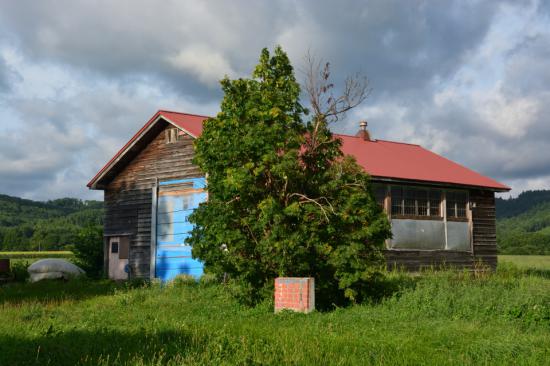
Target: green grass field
x=541 y=262
x=434 y=319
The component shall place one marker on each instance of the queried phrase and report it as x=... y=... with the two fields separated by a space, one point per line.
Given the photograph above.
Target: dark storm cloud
x=401 y=45
x=126 y=38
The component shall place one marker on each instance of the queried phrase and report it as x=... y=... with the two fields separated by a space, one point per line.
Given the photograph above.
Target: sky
x=466 y=79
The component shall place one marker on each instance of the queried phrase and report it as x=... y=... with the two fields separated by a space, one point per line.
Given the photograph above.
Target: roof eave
x=439 y=184
x=93 y=184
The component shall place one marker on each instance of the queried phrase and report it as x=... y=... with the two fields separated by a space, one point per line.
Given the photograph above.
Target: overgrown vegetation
x=89 y=251
x=434 y=319
x=51 y=225
x=282 y=199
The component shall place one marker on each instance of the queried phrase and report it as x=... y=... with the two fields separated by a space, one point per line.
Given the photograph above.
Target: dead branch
x=325 y=104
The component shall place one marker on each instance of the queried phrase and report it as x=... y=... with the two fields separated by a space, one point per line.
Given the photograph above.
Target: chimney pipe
x=363 y=132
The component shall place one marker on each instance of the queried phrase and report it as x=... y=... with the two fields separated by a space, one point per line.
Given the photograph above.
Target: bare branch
x=325 y=104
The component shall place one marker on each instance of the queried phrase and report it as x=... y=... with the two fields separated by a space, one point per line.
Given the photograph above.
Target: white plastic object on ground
x=35 y=277
x=53 y=268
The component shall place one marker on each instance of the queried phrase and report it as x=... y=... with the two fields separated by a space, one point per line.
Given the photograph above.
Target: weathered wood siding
x=415 y=260
x=128 y=205
x=128 y=197
x=484 y=242
x=484 y=227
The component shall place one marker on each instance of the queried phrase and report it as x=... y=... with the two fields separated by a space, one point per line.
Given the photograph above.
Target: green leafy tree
x=283 y=200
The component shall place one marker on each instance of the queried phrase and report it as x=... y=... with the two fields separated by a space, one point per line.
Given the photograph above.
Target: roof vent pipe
x=363 y=132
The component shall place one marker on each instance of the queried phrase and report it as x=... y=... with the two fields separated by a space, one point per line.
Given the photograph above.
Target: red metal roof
x=191 y=123
x=381 y=159
x=396 y=160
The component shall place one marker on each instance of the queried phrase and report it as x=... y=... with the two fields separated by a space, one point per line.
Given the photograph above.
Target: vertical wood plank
x=152 y=265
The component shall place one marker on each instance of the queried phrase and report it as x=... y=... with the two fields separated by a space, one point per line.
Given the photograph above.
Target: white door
x=118 y=258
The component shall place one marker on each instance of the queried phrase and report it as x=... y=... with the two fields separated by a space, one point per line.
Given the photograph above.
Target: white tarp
x=53 y=268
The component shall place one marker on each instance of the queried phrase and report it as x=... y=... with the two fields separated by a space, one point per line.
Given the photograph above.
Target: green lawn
x=541 y=262
x=435 y=319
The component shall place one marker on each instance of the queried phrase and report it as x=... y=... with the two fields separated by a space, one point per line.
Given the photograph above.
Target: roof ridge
x=185 y=113
x=376 y=140
x=401 y=143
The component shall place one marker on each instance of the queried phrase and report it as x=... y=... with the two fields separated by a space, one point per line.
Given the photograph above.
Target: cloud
x=7 y=77
x=77 y=79
x=208 y=65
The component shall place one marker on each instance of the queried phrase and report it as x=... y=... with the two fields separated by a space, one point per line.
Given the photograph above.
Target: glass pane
x=379 y=194
x=435 y=202
x=456 y=204
x=410 y=201
x=461 y=201
x=396 y=200
x=422 y=202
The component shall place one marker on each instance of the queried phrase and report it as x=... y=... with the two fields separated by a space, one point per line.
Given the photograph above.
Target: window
x=415 y=202
x=456 y=205
x=379 y=194
x=417 y=219
x=435 y=203
x=172 y=135
x=114 y=247
x=397 y=201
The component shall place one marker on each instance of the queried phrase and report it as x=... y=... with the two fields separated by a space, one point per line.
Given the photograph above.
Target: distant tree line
x=523 y=223
x=50 y=225
x=522 y=203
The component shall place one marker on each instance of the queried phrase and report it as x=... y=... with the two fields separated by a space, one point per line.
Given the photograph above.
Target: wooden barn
x=441 y=212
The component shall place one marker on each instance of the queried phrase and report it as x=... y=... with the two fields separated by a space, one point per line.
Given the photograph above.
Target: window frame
x=455 y=217
x=443 y=199
x=428 y=199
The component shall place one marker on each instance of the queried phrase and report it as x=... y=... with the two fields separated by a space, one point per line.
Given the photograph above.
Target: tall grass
x=439 y=318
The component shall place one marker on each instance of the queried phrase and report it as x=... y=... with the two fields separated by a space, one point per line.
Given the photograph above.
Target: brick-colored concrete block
x=295 y=293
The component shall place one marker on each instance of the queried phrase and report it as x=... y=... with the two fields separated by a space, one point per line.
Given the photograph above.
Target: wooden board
x=129 y=195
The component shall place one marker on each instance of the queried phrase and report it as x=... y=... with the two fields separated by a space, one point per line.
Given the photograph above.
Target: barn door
x=176 y=200
x=118 y=257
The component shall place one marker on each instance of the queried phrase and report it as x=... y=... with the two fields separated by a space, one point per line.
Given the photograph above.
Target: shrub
x=19 y=270
x=89 y=250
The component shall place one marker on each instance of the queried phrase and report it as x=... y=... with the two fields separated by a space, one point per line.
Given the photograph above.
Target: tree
x=283 y=200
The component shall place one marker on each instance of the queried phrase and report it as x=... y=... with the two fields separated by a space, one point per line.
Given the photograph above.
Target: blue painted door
x=176 y=201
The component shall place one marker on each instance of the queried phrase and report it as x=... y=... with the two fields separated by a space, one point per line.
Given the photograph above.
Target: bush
x=89 y=250
x=19 y=270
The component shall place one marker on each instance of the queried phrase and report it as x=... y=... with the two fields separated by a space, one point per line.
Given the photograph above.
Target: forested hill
x=50 y=225
x=523 y=223
x=523 y=203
